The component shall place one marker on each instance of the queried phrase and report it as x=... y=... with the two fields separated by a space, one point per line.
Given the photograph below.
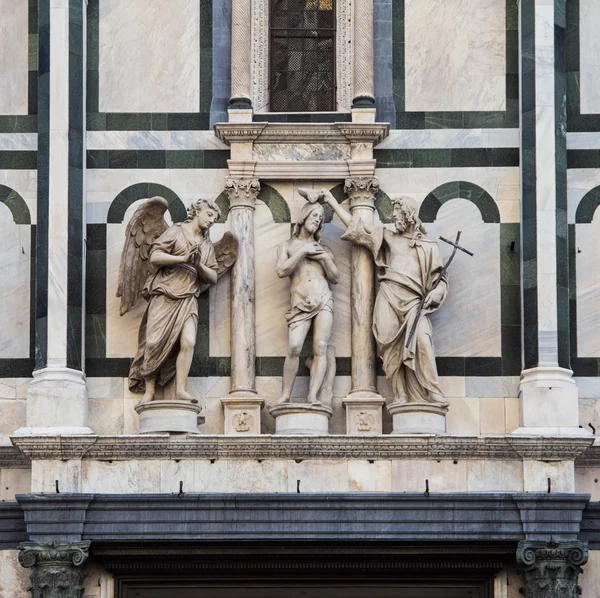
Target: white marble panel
x=468 y=324
x=13 y=416
x=502 y=183
x=18 y=141
x=45 y=473
x=492 y=416
x=14 y=481
x=588 y=288
x=587 y=481
x=14 y=579
x=589 y=56
x=369 y=476
x=15 y=268
x=492 y=386
x=167 y=140
x=318 y=475
x=463 y=417
x=494 y=476
x=14 y=40
x=536 y=474
x=8 y=388
x=590 y=580
x=455 y=56
x=512 y=414
x=110 y=477
x=149 y=56
x=583 y=140
x=589 y=388
x=443 y=476
x=105 y=416
x=449 y=138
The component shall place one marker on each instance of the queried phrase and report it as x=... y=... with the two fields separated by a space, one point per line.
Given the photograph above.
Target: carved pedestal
x=301 y=419
x=168 y=416
x=242 y=414
x=551 y=569
x=56 y=568
x=363 y=414
x=418 y=418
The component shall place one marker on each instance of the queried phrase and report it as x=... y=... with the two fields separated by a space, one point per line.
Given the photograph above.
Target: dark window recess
x=302 y=55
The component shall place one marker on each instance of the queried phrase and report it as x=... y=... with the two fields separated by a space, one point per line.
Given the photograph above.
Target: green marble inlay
x=131 y=194
x=16 y=204
x=587 y=206
x=276 y=203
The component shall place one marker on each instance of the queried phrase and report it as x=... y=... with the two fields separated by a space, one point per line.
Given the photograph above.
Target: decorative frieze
x=56 y=568
x=505 y=448
x=551 y=569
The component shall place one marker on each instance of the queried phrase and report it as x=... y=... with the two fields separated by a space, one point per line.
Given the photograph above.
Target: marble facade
x=149 y=86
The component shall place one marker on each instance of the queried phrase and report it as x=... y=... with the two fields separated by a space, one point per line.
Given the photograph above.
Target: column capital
x=242 y=193
x=361 y=191
x=551 y=568
x=56 y=567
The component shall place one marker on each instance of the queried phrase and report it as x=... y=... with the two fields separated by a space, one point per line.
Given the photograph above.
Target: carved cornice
x=285 y=447
x=12 y=458
x=302 y=132
x=56 y=569
x=551 y=569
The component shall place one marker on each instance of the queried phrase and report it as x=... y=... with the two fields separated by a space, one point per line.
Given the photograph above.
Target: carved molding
x=56 y=568
x=242 y=192
x=344 y=54
x=12 y=458
x=274 y=447
x=302 y=132
x=551 y=569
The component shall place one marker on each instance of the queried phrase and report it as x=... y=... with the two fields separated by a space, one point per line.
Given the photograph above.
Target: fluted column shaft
x=361 y=192
x=242 y=195
x=241 y=53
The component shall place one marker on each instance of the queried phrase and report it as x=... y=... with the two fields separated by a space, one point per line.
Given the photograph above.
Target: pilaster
x=551 y=569
x=56 y=568
x=242 y=194
x=363 y=55
x=241 y=53
x=548 y=395
x=57 y=397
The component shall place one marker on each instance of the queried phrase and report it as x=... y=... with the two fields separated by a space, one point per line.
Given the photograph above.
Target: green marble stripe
x=447 y=157
x=139 y=121
x=529 y=187
x=75 y=251
x=18 y=160
x=157 y=159
x=583 y=158
x=587 y=206
x=456 y=120
x=95 y=297
x=40 y=306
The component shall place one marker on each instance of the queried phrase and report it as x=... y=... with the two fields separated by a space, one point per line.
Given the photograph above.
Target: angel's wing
x=226 y=252
x=146 y=225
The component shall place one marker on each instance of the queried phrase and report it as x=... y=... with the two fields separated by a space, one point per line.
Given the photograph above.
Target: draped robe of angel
x=171 y=291
x=407 y=267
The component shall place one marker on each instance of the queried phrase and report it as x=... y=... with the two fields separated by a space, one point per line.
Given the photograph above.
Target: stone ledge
x=509 y=448
x=13 y=458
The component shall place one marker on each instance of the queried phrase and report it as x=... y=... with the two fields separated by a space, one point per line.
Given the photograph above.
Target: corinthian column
x=241 y=53
x=243 y=401
x=363 y=399
x=56 y=568
x=363 y=55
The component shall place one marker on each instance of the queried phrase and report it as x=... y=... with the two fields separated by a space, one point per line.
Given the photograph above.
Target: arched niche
x=469 y=323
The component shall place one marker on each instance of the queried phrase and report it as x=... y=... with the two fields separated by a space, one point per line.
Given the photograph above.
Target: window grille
x=302 y=56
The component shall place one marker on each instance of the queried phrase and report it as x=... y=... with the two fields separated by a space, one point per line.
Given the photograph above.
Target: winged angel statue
x=170 y=266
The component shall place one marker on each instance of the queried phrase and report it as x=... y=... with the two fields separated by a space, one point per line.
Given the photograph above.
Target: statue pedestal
x=242 y=414
x=363 y=414
x=301 y=419
x=168 y=416
x=418 y=418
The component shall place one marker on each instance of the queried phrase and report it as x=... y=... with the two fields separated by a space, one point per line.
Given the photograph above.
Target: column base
x=159 y=417
x=242 y=414
x=549 y=403
x=239 y=114
x=363 y=114
x=418 y=418
x=301 y=419
x=364 y=414
x=56 y=403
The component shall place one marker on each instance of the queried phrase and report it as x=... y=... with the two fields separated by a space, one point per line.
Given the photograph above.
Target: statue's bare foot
x=146 y=398
x=182 y=395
